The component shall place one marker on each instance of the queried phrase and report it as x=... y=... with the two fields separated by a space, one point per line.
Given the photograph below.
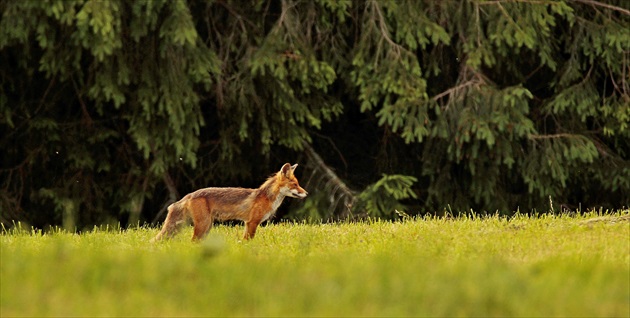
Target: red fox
x=253 y=206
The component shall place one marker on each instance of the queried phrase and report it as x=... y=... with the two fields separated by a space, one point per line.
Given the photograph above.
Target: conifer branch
x=509 y=17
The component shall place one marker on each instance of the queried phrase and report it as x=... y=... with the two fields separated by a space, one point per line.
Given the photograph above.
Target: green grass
x=544 y=266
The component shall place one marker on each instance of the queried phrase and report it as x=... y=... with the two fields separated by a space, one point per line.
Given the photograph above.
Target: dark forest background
x=111 y=110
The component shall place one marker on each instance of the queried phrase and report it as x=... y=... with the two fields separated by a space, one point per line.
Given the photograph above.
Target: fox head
x=289 y=185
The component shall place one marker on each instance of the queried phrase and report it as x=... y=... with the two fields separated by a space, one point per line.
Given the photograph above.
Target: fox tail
x=174 y=219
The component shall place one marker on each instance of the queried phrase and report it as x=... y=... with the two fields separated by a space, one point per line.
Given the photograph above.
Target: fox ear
x=293 y=167
x=286 y=170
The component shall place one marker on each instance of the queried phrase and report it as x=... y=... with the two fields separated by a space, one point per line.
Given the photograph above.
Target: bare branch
x=554 y=136
x=332 y=144
x=590 y=2
x=511 y=1
x=383 y=26
x=173 y=195
x=454 y=89
x=604 y=5
x=345 y=193
x=86 y=115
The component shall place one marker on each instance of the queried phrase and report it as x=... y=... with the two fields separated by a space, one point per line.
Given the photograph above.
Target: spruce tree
x=110 y=110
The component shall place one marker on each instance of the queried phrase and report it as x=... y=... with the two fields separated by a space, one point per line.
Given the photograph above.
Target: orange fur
x=252 y=206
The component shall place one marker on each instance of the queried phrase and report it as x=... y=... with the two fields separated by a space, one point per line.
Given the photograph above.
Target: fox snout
x=298 y=193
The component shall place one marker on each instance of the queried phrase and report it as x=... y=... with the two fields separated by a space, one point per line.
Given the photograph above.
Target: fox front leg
x=250 y=229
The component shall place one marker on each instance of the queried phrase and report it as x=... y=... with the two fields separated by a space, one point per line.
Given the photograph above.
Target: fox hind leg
x=201 y=228
x=202 y=218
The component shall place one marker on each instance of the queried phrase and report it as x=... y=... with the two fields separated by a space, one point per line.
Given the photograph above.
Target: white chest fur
x=274 y=206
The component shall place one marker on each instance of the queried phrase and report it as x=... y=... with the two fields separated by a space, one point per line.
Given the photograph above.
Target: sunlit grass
x=472 y=266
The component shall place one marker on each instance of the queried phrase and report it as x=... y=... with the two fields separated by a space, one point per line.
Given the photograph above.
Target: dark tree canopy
x=110 y=110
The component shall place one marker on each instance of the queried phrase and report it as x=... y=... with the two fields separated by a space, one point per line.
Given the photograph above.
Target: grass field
x=544 y=266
